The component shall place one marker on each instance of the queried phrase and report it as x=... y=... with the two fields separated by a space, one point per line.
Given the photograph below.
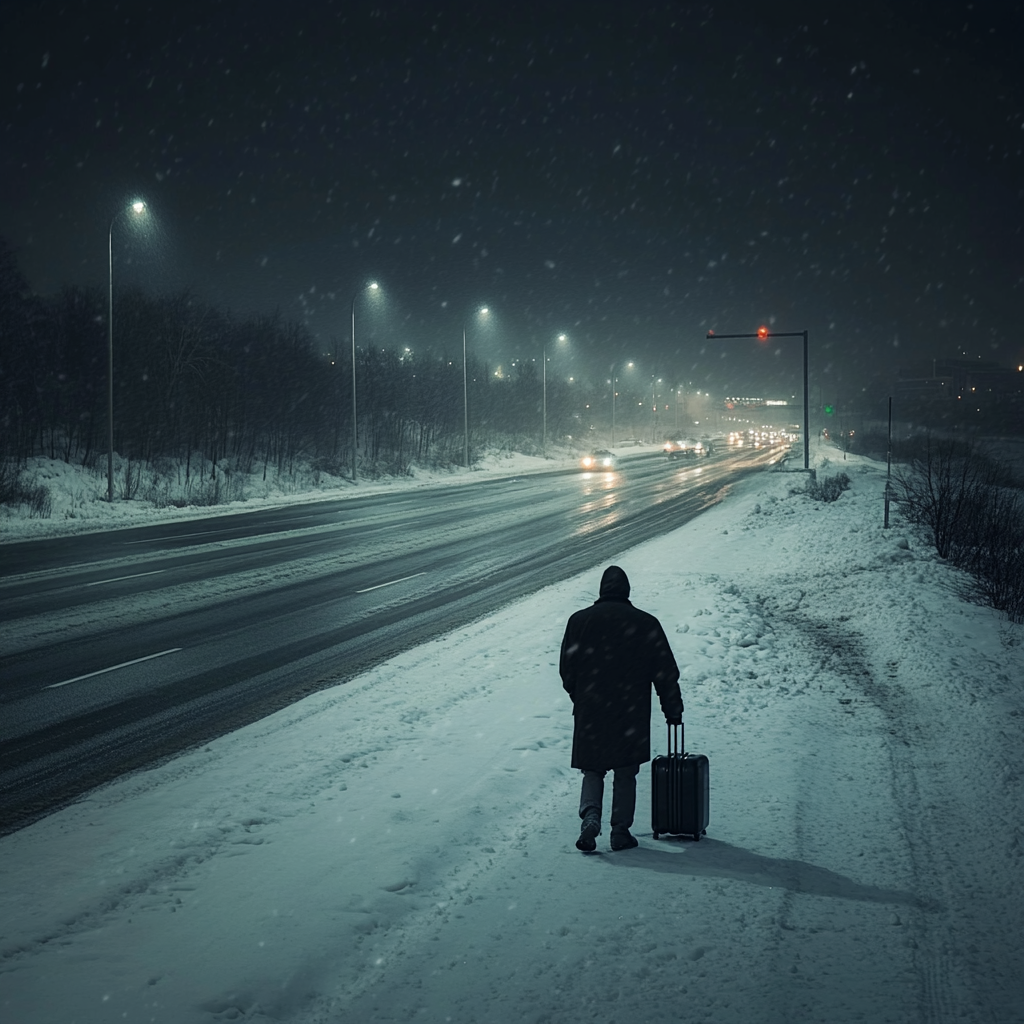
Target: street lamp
x=372 y=286
x=138 y=208
x=628 y=366
x=544 y=385
x=654 y=408
x=483 y=311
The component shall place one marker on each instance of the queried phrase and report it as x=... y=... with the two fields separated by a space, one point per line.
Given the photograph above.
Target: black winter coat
x=611 y=655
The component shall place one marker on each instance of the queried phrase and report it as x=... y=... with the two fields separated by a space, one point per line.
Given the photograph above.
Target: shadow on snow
x=711 y=858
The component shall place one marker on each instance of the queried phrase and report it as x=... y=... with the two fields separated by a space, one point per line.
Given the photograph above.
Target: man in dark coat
x=611 y=655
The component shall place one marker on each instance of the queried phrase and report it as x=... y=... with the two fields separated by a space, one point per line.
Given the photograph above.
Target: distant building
x=963 y=392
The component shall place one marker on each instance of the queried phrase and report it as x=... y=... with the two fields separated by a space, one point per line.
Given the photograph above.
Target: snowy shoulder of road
x=75 y=498
x=400 y=848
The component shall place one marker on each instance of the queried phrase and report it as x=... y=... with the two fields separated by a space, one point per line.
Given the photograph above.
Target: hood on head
x=614 y=583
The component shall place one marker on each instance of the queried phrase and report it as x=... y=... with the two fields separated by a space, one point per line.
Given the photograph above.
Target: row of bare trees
x=190 y=380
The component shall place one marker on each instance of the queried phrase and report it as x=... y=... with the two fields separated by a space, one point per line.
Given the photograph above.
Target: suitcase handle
x=676 y=739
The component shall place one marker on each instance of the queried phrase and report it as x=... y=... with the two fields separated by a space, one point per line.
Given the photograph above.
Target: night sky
x=629 y=174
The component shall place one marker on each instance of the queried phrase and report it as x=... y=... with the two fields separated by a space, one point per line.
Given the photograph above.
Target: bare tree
x=938 y=487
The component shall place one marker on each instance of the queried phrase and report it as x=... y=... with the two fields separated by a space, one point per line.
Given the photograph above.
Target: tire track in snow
x=943 y=986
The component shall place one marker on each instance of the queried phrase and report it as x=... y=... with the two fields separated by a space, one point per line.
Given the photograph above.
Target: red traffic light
x=762 y=332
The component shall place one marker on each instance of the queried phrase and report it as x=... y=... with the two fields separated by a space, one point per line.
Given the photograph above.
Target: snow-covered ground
x=77 y=497
x=400 y=848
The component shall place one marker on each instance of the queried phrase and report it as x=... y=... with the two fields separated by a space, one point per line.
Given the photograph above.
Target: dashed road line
x=390 y=583
x=117 y=579
x=112 y=668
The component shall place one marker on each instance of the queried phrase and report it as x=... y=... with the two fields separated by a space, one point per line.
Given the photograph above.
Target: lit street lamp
x=544 y=379
x=654 y=407
x=628 y=366
x=483 y=311
x=372 y=286
x=138 y=208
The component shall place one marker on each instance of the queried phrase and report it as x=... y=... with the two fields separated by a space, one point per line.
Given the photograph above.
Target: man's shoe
x=589 y=831
x=623 y=840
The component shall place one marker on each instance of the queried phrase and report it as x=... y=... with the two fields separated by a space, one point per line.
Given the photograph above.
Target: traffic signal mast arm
x=760 y=334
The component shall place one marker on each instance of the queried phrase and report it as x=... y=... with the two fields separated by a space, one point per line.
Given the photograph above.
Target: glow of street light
x=138 y=206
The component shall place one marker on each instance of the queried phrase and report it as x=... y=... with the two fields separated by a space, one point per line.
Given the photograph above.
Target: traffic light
x=829 y=409
x=762 y=333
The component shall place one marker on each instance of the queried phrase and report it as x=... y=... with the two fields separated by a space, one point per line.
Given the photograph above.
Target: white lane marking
x=391 y=583
x=177 y=536
x=208 y=533
x=117 y=579
x=113 y=668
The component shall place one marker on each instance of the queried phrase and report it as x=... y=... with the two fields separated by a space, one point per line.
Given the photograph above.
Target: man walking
x=611 y=655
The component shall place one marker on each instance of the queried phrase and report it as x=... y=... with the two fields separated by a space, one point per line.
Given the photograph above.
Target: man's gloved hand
x=675 y=720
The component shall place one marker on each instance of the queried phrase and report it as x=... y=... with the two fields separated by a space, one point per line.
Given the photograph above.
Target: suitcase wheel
x=657 y=835
x=696 y=837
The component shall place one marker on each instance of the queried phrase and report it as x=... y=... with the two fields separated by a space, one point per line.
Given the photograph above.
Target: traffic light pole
x=763 y=334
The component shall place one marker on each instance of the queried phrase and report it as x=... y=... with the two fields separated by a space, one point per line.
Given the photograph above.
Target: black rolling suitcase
x=679 y=790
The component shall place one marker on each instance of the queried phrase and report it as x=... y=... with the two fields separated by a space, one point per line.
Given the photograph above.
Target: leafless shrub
x=10 y=489
x=975 y=519
x=938 y=487
x=990 y=548
x=131 y=475
x=14 y=491
x=40 y=502
x=827 y=488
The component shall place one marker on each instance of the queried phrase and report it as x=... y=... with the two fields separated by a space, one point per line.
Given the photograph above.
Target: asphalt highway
x=121 y=649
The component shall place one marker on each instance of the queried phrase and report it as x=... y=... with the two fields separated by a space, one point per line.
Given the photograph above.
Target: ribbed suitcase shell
x=680 y=789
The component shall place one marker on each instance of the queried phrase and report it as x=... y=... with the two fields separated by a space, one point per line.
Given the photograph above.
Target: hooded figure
x=612 y=653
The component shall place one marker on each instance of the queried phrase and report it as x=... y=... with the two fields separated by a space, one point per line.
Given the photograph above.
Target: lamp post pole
x=764 y=333
x=482 y=311
x=373 y=285
x=613 y=406
x=137 y=207
x=544 y=379
x=544 y=400
x=613 y=400
x=654 y=408
x=465 y=403
x=355 y=420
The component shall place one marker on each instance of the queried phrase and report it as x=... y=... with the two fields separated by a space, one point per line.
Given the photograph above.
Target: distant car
x=598 y=459
x=630 y=442
x=687 y=448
